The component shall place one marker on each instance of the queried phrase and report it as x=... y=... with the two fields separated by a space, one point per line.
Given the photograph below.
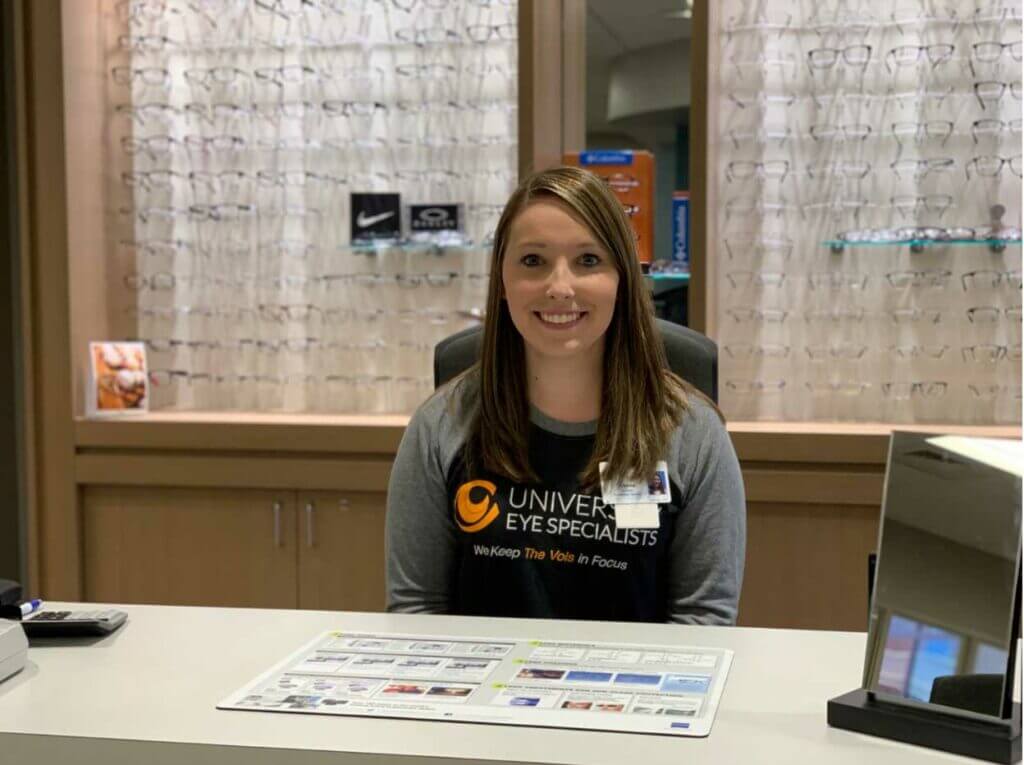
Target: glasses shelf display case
x=869 y=173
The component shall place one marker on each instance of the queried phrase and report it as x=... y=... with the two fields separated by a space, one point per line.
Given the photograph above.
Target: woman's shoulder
x=700 y=443
x=446 y=415
x=456 y=397
x=701 y=424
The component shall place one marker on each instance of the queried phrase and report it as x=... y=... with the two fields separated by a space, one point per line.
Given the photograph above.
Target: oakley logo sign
x=434 y=217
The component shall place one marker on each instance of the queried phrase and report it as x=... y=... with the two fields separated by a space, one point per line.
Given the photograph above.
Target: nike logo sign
x=363 y=220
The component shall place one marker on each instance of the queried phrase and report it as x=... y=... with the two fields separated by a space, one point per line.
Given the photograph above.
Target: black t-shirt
x=546 y=549
x=481 y=544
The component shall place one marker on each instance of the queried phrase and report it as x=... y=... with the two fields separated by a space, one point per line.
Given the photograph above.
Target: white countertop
x=147 y=694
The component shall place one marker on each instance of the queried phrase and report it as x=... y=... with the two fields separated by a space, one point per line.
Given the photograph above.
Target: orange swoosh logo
x=474 y=516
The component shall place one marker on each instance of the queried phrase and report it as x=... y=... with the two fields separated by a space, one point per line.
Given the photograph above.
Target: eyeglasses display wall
x=868 y=236
x=239 y=129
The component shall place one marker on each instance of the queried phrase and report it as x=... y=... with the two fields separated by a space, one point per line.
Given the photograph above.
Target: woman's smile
x=560 y=319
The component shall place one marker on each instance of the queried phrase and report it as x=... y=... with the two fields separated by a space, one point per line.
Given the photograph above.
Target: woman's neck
x=566 y=389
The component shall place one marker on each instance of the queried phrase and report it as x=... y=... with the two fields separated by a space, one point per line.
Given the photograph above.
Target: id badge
x=636 y=502
x=654 y=491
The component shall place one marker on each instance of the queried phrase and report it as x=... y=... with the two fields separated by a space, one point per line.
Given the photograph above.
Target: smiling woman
x=560 y=287
x=495 y=505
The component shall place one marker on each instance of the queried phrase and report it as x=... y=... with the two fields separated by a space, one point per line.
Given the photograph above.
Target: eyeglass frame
x=1003 y=162
x=1011 y=126
x=926 y=49
x=999 y=278
x=837 y=54
x=935 y=389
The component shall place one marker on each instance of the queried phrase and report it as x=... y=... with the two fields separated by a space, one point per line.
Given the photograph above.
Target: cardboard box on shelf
x=630 y=174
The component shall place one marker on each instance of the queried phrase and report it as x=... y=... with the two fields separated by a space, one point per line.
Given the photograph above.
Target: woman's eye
x=590 y=260
x=530 y=260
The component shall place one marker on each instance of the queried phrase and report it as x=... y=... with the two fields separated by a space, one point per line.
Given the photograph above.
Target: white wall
x=649 y=80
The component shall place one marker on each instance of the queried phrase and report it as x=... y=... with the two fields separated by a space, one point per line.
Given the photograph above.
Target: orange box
x=630 y=174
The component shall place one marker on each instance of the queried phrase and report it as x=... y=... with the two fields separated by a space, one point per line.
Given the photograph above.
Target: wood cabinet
x=813 y=499
x=341 y=550
x=807 y=564
x=234 y=547
x=197 y=547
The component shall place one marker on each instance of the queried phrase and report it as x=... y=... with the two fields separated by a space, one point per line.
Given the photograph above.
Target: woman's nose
x=560 y=282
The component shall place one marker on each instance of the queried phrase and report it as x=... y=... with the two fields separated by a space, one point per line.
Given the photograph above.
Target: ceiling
x=615 y=27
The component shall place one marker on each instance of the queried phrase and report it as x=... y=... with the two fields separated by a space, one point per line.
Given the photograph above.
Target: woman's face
x=560 y=283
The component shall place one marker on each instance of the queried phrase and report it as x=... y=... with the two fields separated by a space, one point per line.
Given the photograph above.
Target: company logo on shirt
x=528 y=510
x=475 y=516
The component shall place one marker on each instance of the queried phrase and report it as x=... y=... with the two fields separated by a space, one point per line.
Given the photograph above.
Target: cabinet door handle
x=343 y=505
x=309 y=524
x=277 y=524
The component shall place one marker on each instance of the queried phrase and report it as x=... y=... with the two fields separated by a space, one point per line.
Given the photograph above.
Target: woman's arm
x=419 y=539
x=709 y=544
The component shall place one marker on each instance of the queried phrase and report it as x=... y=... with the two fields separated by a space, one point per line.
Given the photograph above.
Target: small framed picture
x=118 y=379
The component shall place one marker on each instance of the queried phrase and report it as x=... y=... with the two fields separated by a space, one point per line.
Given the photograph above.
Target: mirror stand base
x=857 y=711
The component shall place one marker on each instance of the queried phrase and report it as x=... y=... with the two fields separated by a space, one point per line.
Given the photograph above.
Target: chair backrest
x=691 y=355
x=978 y=693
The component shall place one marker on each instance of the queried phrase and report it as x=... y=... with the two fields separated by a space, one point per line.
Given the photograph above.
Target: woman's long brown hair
x=642 y=402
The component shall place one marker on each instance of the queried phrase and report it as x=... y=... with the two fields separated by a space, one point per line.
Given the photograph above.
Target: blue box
x=681 y=229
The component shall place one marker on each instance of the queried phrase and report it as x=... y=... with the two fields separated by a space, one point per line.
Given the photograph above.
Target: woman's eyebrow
x=578 y=246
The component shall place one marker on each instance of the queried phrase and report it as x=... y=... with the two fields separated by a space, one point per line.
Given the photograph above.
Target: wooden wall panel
x=574 y=75
x=30 y=459
x=807 y=565
x=93 y=160
x=244 y=471
x=837 y=486
x=540 y=85
x=246 y=432
x=59 y=535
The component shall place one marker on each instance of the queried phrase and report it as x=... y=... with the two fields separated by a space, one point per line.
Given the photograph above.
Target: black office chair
x=977 y=693
x=691 y=355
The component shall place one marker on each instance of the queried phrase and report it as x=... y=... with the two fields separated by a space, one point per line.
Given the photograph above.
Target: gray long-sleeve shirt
x=484 y=545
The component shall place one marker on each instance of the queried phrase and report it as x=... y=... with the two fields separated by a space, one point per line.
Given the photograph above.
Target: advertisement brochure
x=118 y=380
x=671 y=690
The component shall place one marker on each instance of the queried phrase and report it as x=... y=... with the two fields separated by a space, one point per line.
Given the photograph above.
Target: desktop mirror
x=945 y=607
